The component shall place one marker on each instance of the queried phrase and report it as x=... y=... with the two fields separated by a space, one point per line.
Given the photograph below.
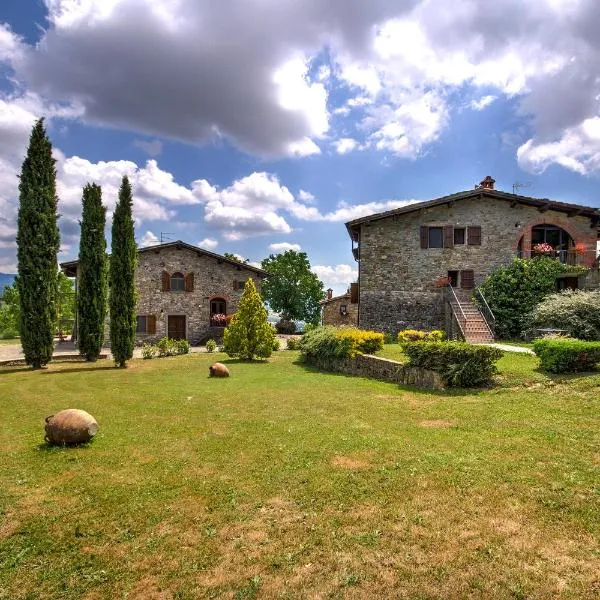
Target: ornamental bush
x=458 y=363
x=292 y=343
x=170 y=347
x=512 y=292
x=415 y=335
x=339 y=342
x=575 y=311
x=567 y=356
x=211 y=345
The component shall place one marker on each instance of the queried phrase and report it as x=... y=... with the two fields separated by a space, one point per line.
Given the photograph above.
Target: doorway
x=453 y=277
x=176 y=327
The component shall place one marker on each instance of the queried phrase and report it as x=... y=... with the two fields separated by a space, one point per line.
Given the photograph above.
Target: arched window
x=556 y=237
x=177 y=282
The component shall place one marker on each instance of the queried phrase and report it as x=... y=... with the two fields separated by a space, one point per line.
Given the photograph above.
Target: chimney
x=487 y=183
x=329 y=294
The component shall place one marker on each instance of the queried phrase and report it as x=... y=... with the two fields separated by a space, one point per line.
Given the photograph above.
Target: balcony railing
x=586 y=258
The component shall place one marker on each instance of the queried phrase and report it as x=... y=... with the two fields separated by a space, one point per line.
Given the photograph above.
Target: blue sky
x=253 y=126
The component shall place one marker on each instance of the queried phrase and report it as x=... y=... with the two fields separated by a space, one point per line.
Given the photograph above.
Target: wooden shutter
x=448 y=236
x=467 y=279
x=354 y=293
x=151 y=324
x=424 y=236
x=474 y=235
x=166 y=282
x=189 y=282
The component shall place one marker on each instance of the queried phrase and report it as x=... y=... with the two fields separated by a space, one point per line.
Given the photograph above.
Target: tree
x=9 y=312
x=122 y=279
x=292 y=289
x=513 y=291
x=249 y=335
x=235 y=257
x=38 y=241
x=91 y=301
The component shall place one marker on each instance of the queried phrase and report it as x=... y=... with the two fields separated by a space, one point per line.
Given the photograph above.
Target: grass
x=283 y=482
x=10 y=342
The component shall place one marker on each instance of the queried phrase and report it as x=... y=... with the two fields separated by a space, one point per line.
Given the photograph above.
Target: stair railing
x=486 y=311
x=454 y=297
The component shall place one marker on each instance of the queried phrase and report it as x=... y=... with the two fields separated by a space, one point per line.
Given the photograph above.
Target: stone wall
x=397 y=277
x=332 y=314
x=383 y=369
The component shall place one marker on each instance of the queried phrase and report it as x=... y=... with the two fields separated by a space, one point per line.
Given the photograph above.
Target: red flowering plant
x=544 y=249
x=442 y=282
x=580 y=248
x=218 y=320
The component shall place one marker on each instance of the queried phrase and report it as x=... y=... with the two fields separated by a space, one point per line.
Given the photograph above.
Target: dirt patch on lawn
x=351 y=462
x=436 y=423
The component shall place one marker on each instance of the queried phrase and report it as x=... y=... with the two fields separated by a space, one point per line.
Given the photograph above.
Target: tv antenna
x=165 y=236
x=517 y=185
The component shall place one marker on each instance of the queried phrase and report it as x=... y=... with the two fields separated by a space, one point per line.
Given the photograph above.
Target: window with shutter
x=424 y=236
x=177 y=282
x=166 y=282
x=354 y=293
x=467 y=279
x=448 y=236
x=459 y=236
x=474 y=235
x=189 y=282
x=142 y=324
x=436 y=237
x=151 y=324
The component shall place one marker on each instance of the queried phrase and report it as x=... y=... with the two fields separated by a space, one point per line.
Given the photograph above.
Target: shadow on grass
x=83 y=369
x=16 y=369
x=50 y=448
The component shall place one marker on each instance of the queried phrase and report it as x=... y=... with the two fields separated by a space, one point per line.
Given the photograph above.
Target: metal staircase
x=473 y=324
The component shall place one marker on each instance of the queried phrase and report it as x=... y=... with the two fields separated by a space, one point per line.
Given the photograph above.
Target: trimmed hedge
x=567 y=356
x=339 y=342
x=458 y=363
x=415 y=335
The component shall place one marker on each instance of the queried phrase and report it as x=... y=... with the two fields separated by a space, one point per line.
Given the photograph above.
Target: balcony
x=579 y=258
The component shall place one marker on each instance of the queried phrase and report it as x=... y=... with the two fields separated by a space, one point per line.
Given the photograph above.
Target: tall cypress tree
x=123 y=259
x=38 y=241
x=91 y=300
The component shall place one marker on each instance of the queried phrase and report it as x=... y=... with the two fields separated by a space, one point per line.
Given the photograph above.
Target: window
x=142 y=324
x=218 y=306
x=436 y=237
x=177 y=282
x=238 y=285
x=459 y=236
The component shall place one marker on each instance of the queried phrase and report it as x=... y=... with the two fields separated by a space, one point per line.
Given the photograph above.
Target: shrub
x=149 y=351
x=388 y=338
x=415 y=335
x=575 y=311
x=276 y=344
x=567 y=356
x=166 y=347
x=513 y=291
x=182 y=347
x=339 y=342
x=292 y=343
x=458 y=363
x=211 y=345
x=285 y=327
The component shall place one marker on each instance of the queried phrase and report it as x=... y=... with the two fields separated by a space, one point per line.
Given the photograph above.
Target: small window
x=177 y=282
x=459 y=236
x=436 y=237
x=344 y=310
x=142 y=324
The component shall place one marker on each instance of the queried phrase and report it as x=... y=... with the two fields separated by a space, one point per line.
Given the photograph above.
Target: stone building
x=184 y=292
x=407 y=256
x=341 y=310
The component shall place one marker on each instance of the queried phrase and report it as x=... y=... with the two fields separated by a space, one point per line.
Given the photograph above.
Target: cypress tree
x=91 y=301
x=123 y=259
x=38 y=241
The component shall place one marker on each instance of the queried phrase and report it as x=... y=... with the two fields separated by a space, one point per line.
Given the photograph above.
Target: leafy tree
x=37 y=246
x=292 y=288
x=513 y=291
x=235 y=257
x=9 y=312
x=91 y=302
x=249 y=335
x=122 y=278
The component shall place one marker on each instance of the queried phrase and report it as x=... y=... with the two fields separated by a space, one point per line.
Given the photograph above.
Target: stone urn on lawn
x=218 y=370
x=70 y=426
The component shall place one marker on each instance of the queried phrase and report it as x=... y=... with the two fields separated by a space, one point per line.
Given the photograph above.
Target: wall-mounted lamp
x=517 y=224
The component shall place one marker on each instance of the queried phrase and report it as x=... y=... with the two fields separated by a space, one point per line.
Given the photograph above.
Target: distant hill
x=5 y=280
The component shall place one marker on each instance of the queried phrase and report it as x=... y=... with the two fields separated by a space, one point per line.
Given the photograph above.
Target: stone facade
x=340 y=311
x=397 y=276
x=209 y=277
x=383 y=369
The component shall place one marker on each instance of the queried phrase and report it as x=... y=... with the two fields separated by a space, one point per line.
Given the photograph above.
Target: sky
x=256 y=126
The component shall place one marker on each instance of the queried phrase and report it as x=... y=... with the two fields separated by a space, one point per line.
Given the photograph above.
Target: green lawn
x=282 y=482
x=11 y=342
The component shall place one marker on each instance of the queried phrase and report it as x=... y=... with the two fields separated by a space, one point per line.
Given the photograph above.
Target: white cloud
x=208 y=243
x=347 y=212
x=482 y=102
x=151 y=148
x=149 y=239
x=336 y=276
x=578 y=149
x=345 y=145
x=306 y=197
x=284 y=246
